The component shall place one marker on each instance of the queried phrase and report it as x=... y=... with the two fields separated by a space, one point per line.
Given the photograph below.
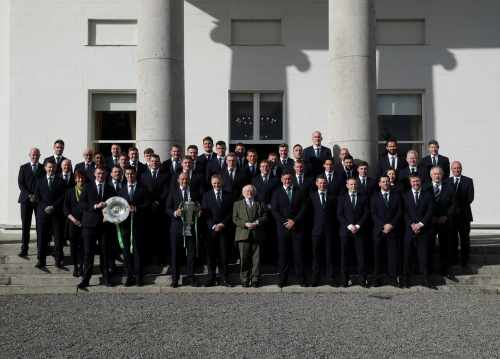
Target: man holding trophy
x=183 y=206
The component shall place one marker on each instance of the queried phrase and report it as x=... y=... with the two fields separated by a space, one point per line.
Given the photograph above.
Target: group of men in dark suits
x=350 y=221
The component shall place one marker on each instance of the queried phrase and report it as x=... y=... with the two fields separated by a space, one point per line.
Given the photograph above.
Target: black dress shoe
x=76 y=272
x=60 y=265
x=245 y=285
x=224 y=283
x=139 y=282
x=255 y=284
x=40 y=265
x=282 y=283
x=303 y=283
x=129 y=282
x=210 y=283
x=174 y=283
x=83 y=284
x=23 y=254
x=345 y=282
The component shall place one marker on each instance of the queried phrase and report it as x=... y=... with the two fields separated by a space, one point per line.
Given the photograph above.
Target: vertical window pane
x=241 y=127
x=115 y=125
x=403 y=128
x=271 y=116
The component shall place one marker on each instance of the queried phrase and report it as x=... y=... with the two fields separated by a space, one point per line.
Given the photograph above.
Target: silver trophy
x=117 y=210
x=190 y=212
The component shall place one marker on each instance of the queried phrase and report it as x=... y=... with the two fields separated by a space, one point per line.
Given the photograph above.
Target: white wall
x=52 y=71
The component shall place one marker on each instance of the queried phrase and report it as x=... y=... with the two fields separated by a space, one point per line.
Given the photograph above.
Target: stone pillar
x=160 y=85
x=352 y=58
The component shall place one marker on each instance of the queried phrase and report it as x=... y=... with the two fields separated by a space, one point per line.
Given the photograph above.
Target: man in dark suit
x=251 y=167
x=66 y=174
x=265 y=184
x=334 y=180
x=347 y=170
x=323 y=205
x=284 y=162
x=366 y=185
x=444 y=202
x=240 y=151
x=88 y=165
x=216 y=164
x=391 y=159
x=114 y=159
x=182 y=237
x=316 y=154
x=199 y=165
x=249 y=217
x=353 y=212
x=461 y=216
x=156 y=229
x=147 y=153
x=133 y=161
x=206 y=157
x=94 y=230
x=57 y=157
x=133 y=228
x=29 y=173
x=300 y=180
x=49 y=194
x=272 y=159
x=196 y=181
x=418 y=209
x=435 y=159
x=386 y=212
x=233 y=178
x=413 y=169
x=289 y=208
x=217 y=207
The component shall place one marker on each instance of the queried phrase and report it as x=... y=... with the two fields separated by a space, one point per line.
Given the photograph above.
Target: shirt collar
x=98 y=183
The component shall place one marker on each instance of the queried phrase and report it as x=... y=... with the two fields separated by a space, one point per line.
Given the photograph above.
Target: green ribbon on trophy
x=120 y=234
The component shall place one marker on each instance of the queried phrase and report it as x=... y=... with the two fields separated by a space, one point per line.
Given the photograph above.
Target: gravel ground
x=273 y=325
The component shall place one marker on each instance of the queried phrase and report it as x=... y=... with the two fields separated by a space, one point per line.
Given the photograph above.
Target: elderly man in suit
x=29 y=173
x=316 y=154
x=414 y=168
x=249 y=217
x=87 y=166
x=461 y=217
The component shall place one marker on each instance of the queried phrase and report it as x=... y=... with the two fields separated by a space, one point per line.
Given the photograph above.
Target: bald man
x=26 y=180
x=316 y=154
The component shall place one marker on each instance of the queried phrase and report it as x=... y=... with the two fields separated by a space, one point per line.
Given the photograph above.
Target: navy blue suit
x=386 y=213
x=89 y=172
x=316 y=163
x=384 y=164
x=265 y=190
x=442 y=161
x=348 y=214
x=405 y=173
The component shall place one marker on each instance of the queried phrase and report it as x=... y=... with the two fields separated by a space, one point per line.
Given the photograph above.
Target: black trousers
x=250 y=261
x=96 y=239
x=27 y=210
x=156 y=248
x=322 y=246
x=460 y=232
x=47 y=225
x=180 y=248
x=290 y=241
x=420 y=245
x=76 y=244
x=359 y=248
x=442 y=232
x=390 y=241
x=133 y=255
x=216 y=246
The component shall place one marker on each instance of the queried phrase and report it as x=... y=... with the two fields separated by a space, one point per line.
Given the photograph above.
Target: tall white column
x=160 y=86
x=352 y=121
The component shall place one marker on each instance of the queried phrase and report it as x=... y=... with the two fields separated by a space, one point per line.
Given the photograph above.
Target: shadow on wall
x=255 y=68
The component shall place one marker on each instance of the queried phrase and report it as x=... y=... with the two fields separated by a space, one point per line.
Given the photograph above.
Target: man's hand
x=49 y=209
x=251 y=225
x=100 y=205
x=289 y=224
x=387 y=228
x=442 y=220
x=178 y=212
x=219 y=227
x=132 y=208
x=32 y=198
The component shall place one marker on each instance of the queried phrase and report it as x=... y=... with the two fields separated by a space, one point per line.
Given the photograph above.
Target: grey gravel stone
x=423 y=324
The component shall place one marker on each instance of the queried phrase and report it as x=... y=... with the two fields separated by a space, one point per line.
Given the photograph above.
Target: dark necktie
x=363 y=182
x=289 y=193
x=353 y=199
x=155 y=175
x=457 y=181
x=393 y=162
x=219 y=199
x=33 y=168
x=49 y=181
x=99 y=191
x=284 y=163
x=317 y=152
x=416 y=197
x=300 y=180
x=264 y=179
x=58 y=159
x=115 y=161
x=131 y=191
x=252 y=170
x=437 y=191
x=66 y=180
x=413 y=171
x=329 y=178
x=323 y=200
x=115 y=184
x=231 y=173
x=221 y=162
x=386 y=199
x=185 y=195
x=434 y=161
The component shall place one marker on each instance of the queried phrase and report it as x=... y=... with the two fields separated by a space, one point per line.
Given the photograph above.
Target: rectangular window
x=256 y=117
x=112 y=32
x=400 y=32
x=400 y=117
x=114 y=120
x=256 y=32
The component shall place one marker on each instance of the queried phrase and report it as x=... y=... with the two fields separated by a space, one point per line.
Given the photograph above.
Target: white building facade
x=93 y=72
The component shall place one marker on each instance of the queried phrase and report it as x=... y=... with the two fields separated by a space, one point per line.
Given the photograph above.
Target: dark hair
x=51 y=161
x=391 y=139
x=263 y=161
x=283 y=145
x=59 y=142
x=253 y=150
x=154 y=155
x=433 y=142
x=112 y=168
x=287 y=172
x=239 y=144
x=79 y=174
x=321 y=176
x=383 y=176
x=149 y=151
x=130 y=168
x=192 y=147
x=298 y=161
x=348 y=157
x=297 y=145
x=220 y=143
x=175 y=146
x=208 y=138
x=134 y=149
x=362 y=163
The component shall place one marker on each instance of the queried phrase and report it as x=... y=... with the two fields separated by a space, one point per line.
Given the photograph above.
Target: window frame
x=418 y=92
x=256 y=116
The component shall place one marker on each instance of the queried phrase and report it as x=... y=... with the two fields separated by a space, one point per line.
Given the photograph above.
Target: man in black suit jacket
x=29 y=173
x=461 y=217
x=240 y=151
x=323 y=205
x=94 y=231
x=179 y=234
x=418 y=210
x=133 y=161
x=366 y=185
x=347 y=170
x=217 y=207
x=205 y=158
x=353 y=212
x=284 y=162
x=435 y=159
x=233 y=178
x=386 y=212
x=88 y=165
x=289 y=208
x=133 y=228
x=66 y=174
x=216 y=164
x=251 y=167
x=391 y=159
x=114 y=159
x=156 y=183
x=196 y=181
x=444 y=202
x=57 y=157
x=413 y=169
x=265 y=184
x=199 y=165
x=49 y=194
x=316 y=154
x=336 y=184
x=300 y=179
